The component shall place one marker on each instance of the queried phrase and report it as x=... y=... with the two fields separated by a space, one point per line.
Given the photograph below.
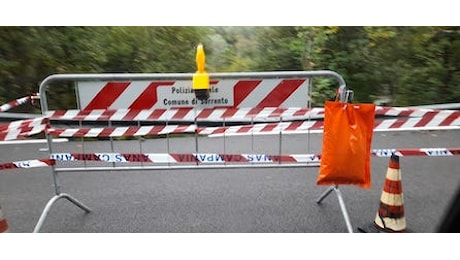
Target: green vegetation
x=410 y=65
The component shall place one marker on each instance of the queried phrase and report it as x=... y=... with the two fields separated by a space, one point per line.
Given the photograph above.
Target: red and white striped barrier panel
x=23 y=128
x=18 y=102
x=27 y=164
x=295 y=127
x=266 y=114
x=175 y=158
x=268 y=92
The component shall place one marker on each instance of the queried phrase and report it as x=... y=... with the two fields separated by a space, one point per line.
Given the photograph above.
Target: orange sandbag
x=347 y=138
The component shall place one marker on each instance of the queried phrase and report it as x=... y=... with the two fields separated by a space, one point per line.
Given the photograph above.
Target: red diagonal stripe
x=132 y=113
x=148 y=98
x=229 y=112
x=318 y=125
x=220 y=130
x=180 y=129
x=156 y=129
x=277 y=112
x=205 y=113
x=106 y=132
x=293 y=126
x=242 y=89
x=57 y=114
x=281 y=92
x=107 y=114
x=245 y=129
x=81 y=132
x=398 y=123
x=269 y=127
x=108 y=94
x=253 y=112
x=156 y=114
x=131 y=131
x=426 y=119
x=181 y=113
x=55 y=131
x=302 y=112
x=451 y=118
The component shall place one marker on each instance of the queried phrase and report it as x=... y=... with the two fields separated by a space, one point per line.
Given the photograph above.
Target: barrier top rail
x=183 y=76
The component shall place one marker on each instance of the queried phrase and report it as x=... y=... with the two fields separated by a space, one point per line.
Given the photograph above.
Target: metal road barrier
x=114 y=106
x=102 y=94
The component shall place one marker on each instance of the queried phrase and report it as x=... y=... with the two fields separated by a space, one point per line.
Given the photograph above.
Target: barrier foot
x=341 y=203
x=50 y=204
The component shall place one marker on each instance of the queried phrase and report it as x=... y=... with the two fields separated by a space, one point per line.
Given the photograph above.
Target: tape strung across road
x=411 y=119
x=265 y=114
x=27 y=164
x=298 y=127
x=236 y=158
x=212 y=158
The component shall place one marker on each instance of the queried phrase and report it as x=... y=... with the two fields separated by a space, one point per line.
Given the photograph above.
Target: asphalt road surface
x=242 y=200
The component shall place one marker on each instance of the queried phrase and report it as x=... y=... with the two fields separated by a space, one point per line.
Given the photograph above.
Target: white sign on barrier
x=179 y=94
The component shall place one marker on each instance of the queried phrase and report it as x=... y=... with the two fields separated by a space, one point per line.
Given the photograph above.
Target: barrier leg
x=50 y=204
x=341 y=203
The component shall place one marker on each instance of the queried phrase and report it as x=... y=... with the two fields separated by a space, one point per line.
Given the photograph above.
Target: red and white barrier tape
x=25 y=123
x=209 y=158
x=18 y=102
x=423 y=119
x=184 y=158
x=27 y=164
x=190 y=114
x=236 y=158
x=17 y=133
x=267 y=114
x=413 y=112
x=401 y=124
x=23 y=128
x=122 y=131
x=416 y=152
x=261 y=128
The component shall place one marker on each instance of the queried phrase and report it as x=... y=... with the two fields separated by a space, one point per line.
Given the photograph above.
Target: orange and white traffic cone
x=390 y=215
x=3 y=223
